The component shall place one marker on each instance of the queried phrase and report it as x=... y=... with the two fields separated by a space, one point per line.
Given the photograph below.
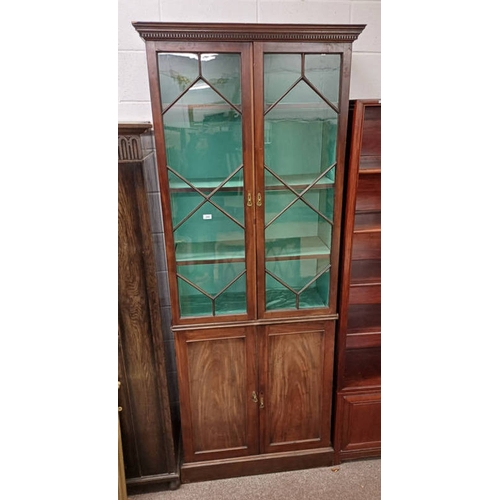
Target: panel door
x=301 y=101
x=203 y=120
x=360 y=417
x=296 y=372
x=218 y=392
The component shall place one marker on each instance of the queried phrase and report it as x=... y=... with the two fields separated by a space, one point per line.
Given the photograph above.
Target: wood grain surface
x=217 y=375
x=295 y=386
x=296 y=382
x=217 y=389
x=147 y=434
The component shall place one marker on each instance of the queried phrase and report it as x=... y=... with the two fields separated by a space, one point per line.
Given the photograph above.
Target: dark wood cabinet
x=358 y=356
x=250 y=124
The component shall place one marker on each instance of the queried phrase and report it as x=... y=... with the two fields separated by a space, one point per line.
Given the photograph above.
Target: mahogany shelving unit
x=358 y=358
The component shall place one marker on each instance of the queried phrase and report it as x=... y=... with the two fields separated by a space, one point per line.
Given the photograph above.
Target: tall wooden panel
x=148 y=442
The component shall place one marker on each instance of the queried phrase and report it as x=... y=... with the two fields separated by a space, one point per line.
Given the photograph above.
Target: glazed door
x=299 y=98
x=296 y=373
x=218 y=393
x=203 y=95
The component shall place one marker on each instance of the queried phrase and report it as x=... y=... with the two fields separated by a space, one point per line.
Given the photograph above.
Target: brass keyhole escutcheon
x=259 y=200
x=261 y=401
x=254 y=397
x=249 y=199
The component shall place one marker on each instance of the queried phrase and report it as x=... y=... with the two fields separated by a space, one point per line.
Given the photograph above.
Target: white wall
x=133 y=90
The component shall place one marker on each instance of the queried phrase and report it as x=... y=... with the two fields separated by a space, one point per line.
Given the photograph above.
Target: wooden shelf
x=363 y=318
x=234 y=251
x=311 y=247
x=366 y=245
x=177 y=186
x=370 y=165
x=367 y=222
x=365 y=271
x=365 y=293
x=362 y=368
x=210 y=252
x=298 y=182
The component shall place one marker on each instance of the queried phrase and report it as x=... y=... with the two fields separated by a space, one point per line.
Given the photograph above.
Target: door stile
x=258 y=59
x=346 y=54
x=249 y=177
x=263 y=367
x=252 y=384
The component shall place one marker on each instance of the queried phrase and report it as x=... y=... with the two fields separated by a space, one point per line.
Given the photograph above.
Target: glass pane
x=298 y=246
x=296 y=274
x=213 y=280
x=276 y=201
x=192 y=302
x=278 y=296
x=321 y=200
x=204 y=149
x=297 y=220
x=317 y=294
x=233 y=300
x=177 y=72
x=294 y=246
x=312 y=297
x=183 y=199
x=323 y=71
x=223 y=72
x=203 y=136
x=209 y=234
x=302 y=134
x=230 y=197
x=298 y=182
x=281 y=71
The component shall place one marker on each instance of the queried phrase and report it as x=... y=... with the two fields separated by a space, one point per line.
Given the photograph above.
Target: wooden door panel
x=217 y=376
x=361 y=419
x=217 y=393
x=296 y=380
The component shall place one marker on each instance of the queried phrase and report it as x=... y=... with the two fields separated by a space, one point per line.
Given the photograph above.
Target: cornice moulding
x=157 y=31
